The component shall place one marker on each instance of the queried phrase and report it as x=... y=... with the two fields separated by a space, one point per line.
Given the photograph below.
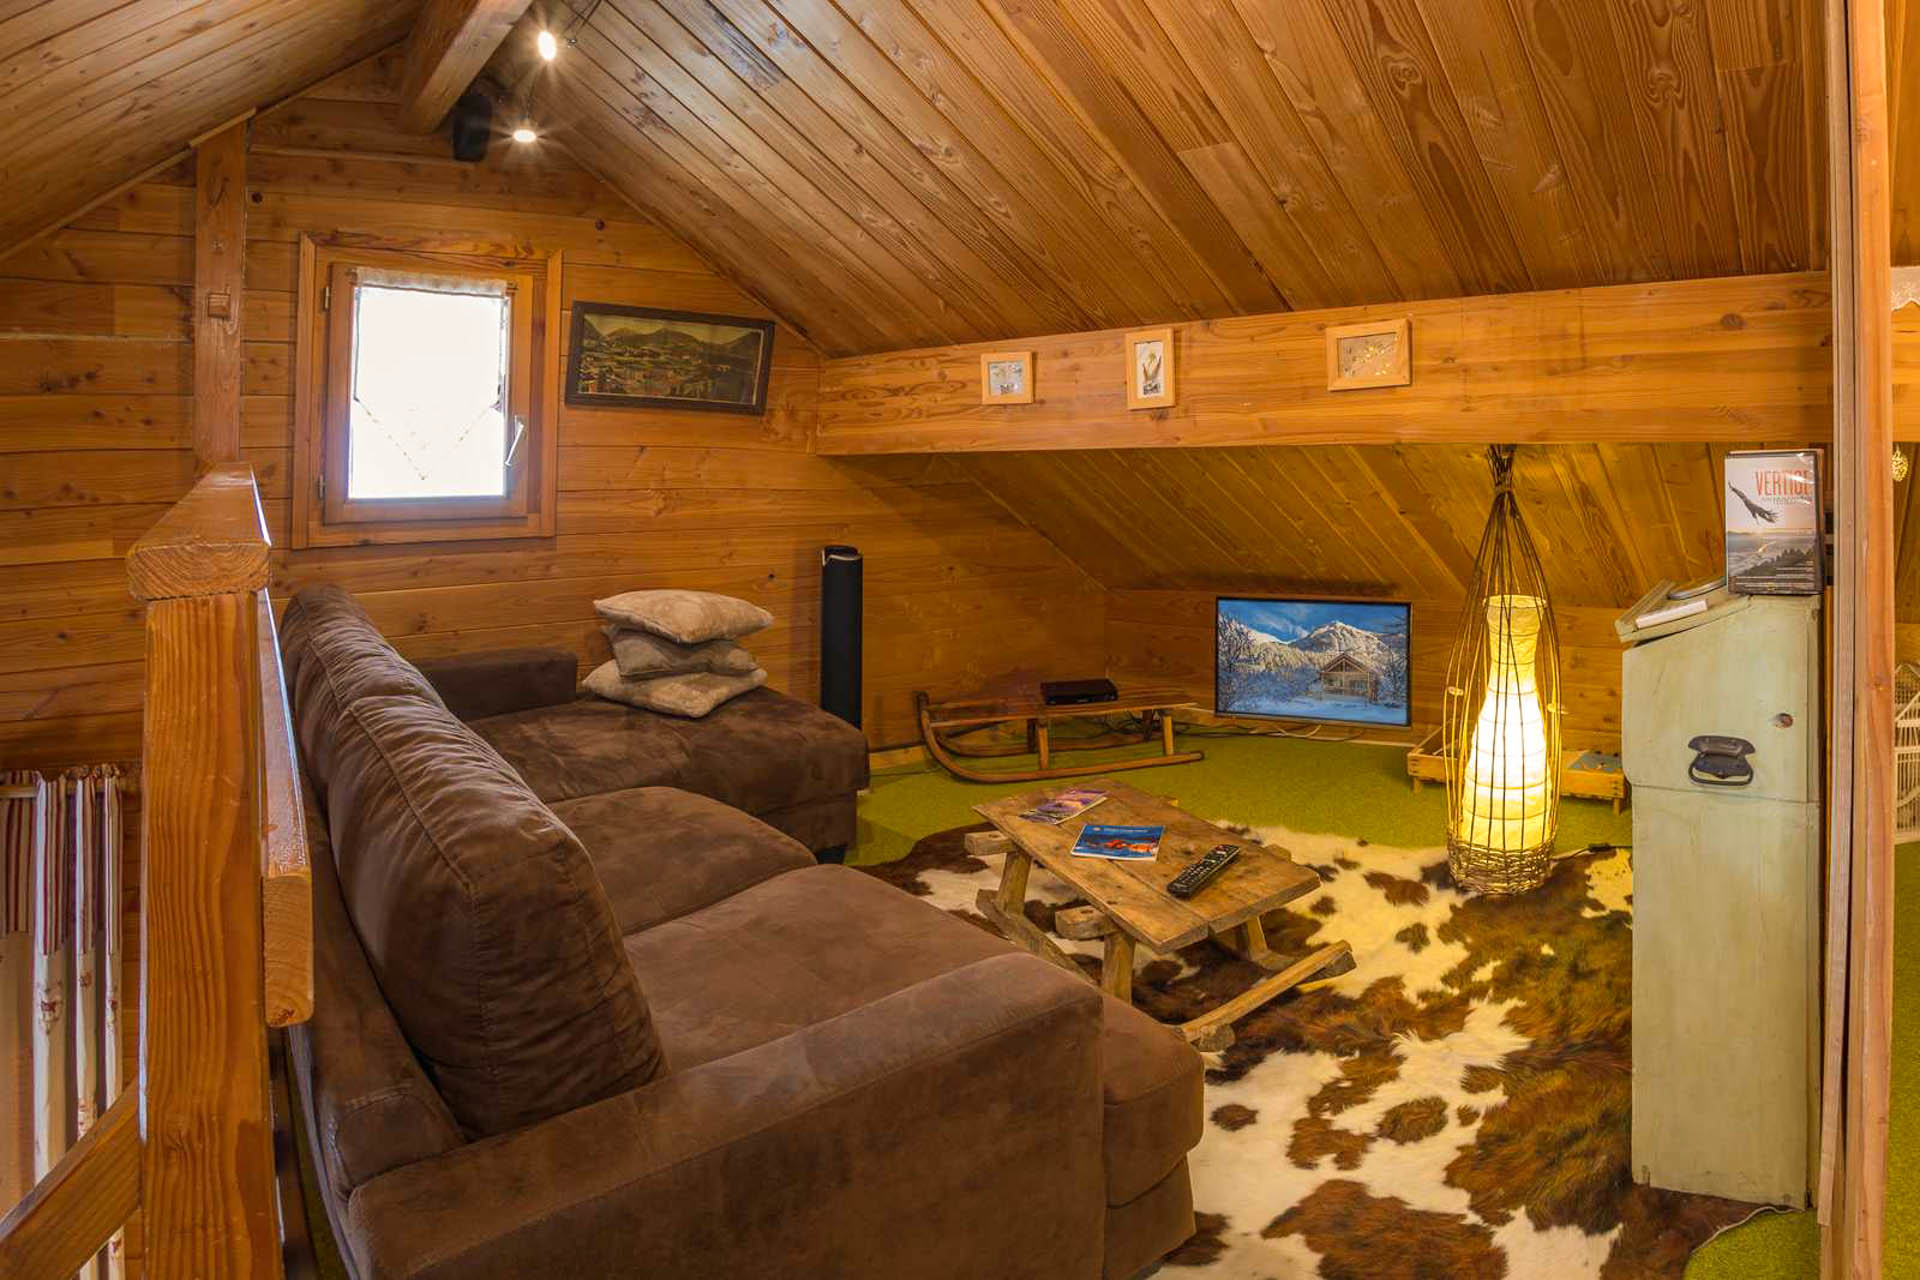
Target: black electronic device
x=1197 y=875
x=472 y=127
x=841 y=575
x=1074 y=693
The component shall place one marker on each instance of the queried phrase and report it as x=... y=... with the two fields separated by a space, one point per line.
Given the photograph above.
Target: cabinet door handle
x=1720 y=760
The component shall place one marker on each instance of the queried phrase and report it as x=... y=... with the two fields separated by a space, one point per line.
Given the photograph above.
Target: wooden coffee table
x=1130 y=904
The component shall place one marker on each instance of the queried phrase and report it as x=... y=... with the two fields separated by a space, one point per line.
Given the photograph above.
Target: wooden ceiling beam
x=451 y=42
x=1740 y=358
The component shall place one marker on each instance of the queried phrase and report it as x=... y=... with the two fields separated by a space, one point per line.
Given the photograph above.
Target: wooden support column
x=219 y=279
x=207 y=1173
x=1856 y=1065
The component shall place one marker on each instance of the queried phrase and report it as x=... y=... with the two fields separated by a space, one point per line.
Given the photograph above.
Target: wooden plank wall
x=95 y=426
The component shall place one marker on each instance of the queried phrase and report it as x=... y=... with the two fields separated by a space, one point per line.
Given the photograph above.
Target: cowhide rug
x=1456 y=1106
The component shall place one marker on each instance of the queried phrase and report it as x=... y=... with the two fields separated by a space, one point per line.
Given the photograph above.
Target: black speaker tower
x=840 y=607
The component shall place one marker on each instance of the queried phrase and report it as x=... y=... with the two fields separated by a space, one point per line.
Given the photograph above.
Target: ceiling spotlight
x=526 y=133
x=548 y=46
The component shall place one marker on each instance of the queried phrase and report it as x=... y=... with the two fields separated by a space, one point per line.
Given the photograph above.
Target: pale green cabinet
x=1726 y=899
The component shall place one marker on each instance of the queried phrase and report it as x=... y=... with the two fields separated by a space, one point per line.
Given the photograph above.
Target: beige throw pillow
x=641 y=653
x=689 y=617
x=690 y=695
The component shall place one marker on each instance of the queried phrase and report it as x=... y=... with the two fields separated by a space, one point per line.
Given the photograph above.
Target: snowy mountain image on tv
x=1312 y=660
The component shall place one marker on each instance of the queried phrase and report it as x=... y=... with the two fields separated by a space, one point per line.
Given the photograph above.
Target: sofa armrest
x=952 y=1129
x=477 y=685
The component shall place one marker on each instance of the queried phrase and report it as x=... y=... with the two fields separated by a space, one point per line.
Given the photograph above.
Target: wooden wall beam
x=451 y=42
x=1859 y=969
x=1735 y=359
x=219 y=282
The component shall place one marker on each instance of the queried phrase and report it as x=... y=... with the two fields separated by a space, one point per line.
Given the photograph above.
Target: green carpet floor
x=1360 y=791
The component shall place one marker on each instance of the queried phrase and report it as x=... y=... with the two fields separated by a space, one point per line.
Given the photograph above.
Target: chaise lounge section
x=643 y=1031
x=793 y=766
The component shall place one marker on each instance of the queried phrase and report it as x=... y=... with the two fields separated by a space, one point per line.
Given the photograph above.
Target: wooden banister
x=208 y=1188
x=210 y=542
x=73 y=1211
x=287 y=888
x=226 y=946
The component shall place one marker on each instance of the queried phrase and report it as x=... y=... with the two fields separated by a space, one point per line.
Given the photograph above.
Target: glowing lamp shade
x=1508 y=794
x=1502 y=727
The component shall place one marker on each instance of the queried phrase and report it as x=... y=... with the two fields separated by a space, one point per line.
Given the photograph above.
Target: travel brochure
x=1070 y=803
x=1122 y=844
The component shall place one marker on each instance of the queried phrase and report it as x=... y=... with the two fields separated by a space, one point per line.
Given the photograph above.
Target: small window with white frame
x=425 y=389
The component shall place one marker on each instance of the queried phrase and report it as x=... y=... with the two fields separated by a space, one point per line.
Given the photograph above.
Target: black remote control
x=1197 y=874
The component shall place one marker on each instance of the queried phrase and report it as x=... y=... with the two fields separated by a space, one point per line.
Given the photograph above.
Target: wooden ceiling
x=1609 y=520
x=912 y=172
x=94 y=93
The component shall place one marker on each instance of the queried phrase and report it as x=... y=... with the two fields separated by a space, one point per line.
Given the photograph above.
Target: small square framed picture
x=1006 y=377
x=1378 y=353
x=1150 y=369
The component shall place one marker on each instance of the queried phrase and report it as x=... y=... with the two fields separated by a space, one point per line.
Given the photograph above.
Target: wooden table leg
x=1249 y=942
x=1003 y=907
x=1116 y=969
x=1043 y=739
x=1166 y=731
x=1214 y=1030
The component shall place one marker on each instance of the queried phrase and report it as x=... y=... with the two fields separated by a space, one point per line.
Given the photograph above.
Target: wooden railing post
x=207 y=1186
x=226 y=936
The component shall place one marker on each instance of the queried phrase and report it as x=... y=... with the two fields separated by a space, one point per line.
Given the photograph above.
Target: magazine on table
x=1070 y=803
x=1122 y=844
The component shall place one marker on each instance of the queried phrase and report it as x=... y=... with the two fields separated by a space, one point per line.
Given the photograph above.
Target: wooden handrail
x=226 y=946
x=211 y=542
x=286 y=895
x=75 y=1209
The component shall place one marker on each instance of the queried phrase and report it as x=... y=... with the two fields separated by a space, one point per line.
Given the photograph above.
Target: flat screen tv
x=1341 y=661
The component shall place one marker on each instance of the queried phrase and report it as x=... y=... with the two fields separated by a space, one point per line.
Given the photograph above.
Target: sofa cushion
x=496 y=681
x=693 y=694
x=332 y=654
x=760 y=752
x=661 y=853
x=1153 y=1083
x=641 y=653
x=688 y=617
x=482 y=919
x=326 y=639
x=370 y=1107
x=779 y=956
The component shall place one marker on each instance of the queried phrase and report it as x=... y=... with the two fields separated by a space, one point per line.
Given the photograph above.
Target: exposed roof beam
x=451 y=42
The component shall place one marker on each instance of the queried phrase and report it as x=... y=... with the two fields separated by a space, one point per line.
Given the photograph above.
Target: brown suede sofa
x=789 y=764
x=642 y=1032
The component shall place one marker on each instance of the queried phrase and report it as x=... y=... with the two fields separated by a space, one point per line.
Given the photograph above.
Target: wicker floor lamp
x=1502 y=712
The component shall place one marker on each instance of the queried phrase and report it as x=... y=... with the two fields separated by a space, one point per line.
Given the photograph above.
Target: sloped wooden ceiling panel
x=94 y=93
x=911 y=172
x=1609 y=520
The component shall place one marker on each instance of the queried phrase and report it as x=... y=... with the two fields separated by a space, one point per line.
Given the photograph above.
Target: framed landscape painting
x=642 y=357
